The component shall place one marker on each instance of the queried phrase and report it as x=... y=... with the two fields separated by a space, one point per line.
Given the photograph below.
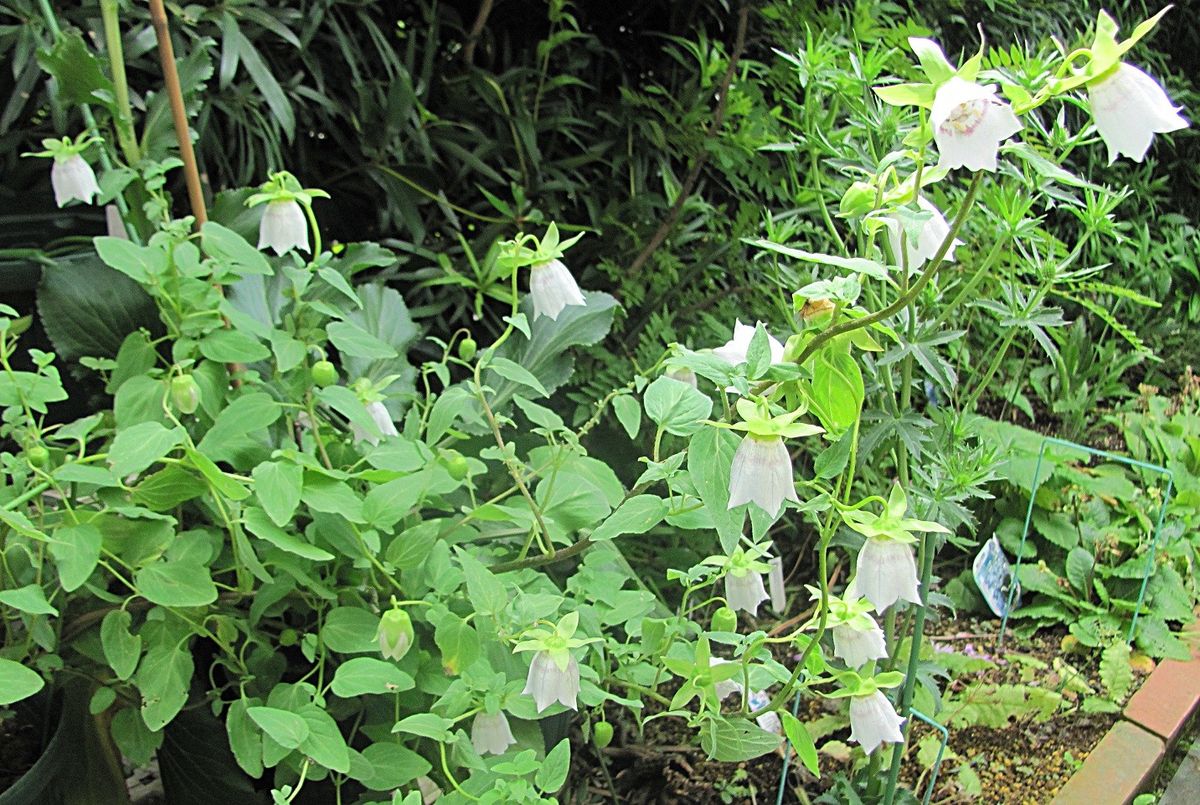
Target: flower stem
x=116 y=61
x=902 y=301
x=89 y=120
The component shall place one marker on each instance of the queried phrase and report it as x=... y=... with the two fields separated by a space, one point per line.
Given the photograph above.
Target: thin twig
x=485 y=10
x=714 y=127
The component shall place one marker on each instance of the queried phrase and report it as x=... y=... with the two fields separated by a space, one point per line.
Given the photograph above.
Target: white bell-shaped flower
x=490 y=733
x=1130 y=107
x=926 y=244
x=969 y=123
x=381 y=418
x=734 y=351
x=745 y=591
x=762 y=474
x=886 y=572
x=725 y=687
x=73 y=180
x=283 y=227
x=856 y=646
x=553 y=288
x=873 y=721
x=547 y=683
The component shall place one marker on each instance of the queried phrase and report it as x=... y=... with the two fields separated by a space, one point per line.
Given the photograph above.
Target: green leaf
x=736 y=740
x=228 y=435
x=285 y=728
x=260 y=525
x=244 y=739
x=76 y=551
x=426 y=725
x=385 y=317
x=277 y=485
x=1079 y=568
x=233 y=346
x=552 y=773
x=168 y=488
x=351 y=630
x=30 y=598
x=513 y=371
x=388 y=503
x=79 y=79
x=547 y=355
x=231 y=250
x=676 y=406
x=637 y=515
x=353 y=340
x=802 y=742
x=17 y=682
x=485 y=590
x=163 y=678
x=856 y=264
x=394 y=766
x=1116 y=673
x=324 y=743
x=176 y=584
x=221 y=483
x=629 y=413
x=364 y=675
x=268 y=87
x=122 y=650
x=710 y=456
x=137 y=447
x=89 y=309
x=458 y=642
x=139 y=263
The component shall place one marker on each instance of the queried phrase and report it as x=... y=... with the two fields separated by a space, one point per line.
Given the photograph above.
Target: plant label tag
x=993 y=575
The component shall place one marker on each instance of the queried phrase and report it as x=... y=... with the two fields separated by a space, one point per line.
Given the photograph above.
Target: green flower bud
x=37 y=455
x=395 y=634
x=859 y=200
x=185 y=393
x=602 y=734
x=455 y=464
x=288 y=637
x=324 y=373
x=724 y=620
x=467 y=348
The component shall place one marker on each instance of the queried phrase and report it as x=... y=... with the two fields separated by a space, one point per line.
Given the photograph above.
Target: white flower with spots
x=969 y=123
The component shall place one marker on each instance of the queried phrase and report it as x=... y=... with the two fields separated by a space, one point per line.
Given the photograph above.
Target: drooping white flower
x=734 y=351
x=73 y=180
x=873 y=721
x=886 y=572
x=969 y=123
x=490 y=733
x=283 y=227
x=552 y=288
x=856 y=646
x=745 y=591
x=548 y=683
x=921 y=249
x=430 y=791
x=1130 y=107
x=724 y=687
x=762 y=474
x=381 y=418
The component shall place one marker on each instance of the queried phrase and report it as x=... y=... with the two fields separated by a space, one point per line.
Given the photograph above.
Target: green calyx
x=64 y=149
x=854 y=685
x=529 y=250
x=891 y=524
x=758 y=422
x=283 y=186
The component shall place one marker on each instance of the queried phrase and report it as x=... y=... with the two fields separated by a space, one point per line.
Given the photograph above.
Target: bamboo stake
x=166 y=54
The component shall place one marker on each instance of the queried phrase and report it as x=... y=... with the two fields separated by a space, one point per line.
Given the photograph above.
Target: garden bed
x=1025 y=761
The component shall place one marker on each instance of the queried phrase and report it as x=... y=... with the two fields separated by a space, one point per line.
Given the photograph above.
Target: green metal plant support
x=1037 y=474
x=937 y=763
